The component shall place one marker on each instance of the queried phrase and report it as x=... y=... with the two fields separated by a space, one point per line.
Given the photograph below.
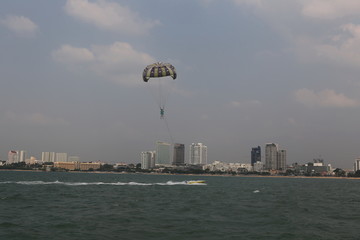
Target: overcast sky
x=249 y=72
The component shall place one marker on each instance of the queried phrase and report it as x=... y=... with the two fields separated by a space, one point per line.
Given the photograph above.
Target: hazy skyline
x=249 y=72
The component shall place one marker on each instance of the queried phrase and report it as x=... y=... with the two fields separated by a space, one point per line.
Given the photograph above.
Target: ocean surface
x=64 y=205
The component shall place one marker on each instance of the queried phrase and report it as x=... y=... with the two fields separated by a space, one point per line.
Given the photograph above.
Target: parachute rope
x=161 y=96
x=159 y=70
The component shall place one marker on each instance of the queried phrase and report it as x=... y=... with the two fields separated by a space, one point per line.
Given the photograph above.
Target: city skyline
x=248 y=72
x=16 y=156
x=274 y=157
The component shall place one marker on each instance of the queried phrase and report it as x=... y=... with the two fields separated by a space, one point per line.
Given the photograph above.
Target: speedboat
x=195 y=181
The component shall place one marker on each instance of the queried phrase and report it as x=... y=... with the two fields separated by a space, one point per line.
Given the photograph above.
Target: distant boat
x=195 y=181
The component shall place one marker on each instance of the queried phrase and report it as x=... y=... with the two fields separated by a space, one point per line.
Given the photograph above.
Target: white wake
x=168 y=183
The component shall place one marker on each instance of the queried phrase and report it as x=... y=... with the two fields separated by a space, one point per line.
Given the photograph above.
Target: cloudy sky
x=249 y=72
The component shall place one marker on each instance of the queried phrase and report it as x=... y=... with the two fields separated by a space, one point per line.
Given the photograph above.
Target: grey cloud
x=109 y=16
x=19 y=24
x=324 y=98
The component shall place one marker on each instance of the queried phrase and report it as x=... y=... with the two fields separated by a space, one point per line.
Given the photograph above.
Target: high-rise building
x=16 y=156
x=13 y=157
x=275 y=159
x=22 y=156
x=148 y=159
x=271 y=150
x=163 y=153
x=255 y=155
x=357 y=164
x=281 y=160
x=48 y=156
x=179 y=154
x=198 y=154
x=61 y=157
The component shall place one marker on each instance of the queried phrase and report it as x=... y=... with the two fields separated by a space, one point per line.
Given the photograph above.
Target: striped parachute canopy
x=159 y=69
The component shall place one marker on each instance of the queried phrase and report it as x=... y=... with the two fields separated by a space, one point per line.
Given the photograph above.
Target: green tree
x=356 y=174
x=106 y=168
x=339 y=172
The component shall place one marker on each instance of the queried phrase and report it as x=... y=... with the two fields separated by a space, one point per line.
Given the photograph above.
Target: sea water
x=67 y=205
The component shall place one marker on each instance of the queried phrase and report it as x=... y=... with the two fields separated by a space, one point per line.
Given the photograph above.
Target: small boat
x=195 y=181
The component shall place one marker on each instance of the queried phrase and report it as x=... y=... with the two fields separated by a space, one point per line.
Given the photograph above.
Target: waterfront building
x=198 y=154
x=271 y=150
x=13 y=157
x=147 y=160
x=48 y=157
x=61 y=157
x=313 y=168
x=179 y=154
x=32 y=160
x=67 y=165
x=162 y=156
x=258 y=167
x=318 y=168
x=281 y=160
x=122 y=165
x=357 y=164
x=22 y=156
x=228 y=167
x=16 y=156
x=86 y=166
x=275 y=158
x=255 y=155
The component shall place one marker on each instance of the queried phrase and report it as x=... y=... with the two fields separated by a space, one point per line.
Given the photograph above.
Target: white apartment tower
x=148 y=159
x=48 y=156
x=61 y=157
x=198 y=154
x=16 y=156
x=357 y=164
x=13 y=157
x=22 y=156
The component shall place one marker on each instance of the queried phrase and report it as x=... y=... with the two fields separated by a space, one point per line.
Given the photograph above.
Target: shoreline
x=176 y=174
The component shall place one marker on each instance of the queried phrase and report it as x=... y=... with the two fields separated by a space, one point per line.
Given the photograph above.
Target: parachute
x=159 y=69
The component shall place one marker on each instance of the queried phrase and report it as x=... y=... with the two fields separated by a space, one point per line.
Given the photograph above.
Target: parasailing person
x=159 y=70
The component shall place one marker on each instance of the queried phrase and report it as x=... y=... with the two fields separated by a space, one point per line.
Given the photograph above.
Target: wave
x=168 y=183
